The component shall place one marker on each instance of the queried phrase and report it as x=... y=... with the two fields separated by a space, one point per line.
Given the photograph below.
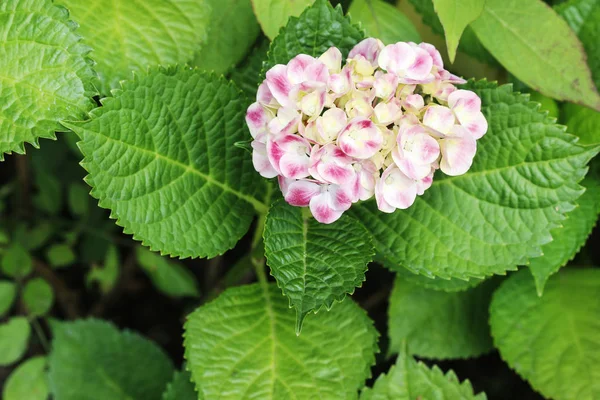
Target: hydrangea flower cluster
x=379 y=125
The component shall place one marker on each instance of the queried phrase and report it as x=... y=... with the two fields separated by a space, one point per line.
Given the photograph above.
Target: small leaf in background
x=547 y=104
x=409 y=379
x=16 y=261
x=79 y=199
x=583 y=122
x=49 y=194
x=570 y=238
x=440 y=325
x=152 y=32
x=38 y=297
x=14 y=337
x=383 y=21
x=552 y=62
x=455 y=16
x=37 y=236
x=317 y=29
x=93 y=360
x=551 y=341
x=60 y=255
x=8 y=291
x=273 y=14
x=107 y=275
x=45 y=73
x=29 y=381
x=315 y=264
x=4 y=237
x=232 y=30
x=243 y=345
x=170 y=278
x=180 y=387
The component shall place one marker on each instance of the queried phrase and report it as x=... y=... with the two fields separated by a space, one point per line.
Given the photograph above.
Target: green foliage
x=232 y=29
x=180 y=387
x=583 y=122
x=383 y=21
x=569 y=239
x=409 y=380
x=91 y=359
x=273 y=14
x=170 y=278
x=317 y=29
x=45 y=73
x=583 y=16
x=130 y=36
x=14 y=336
x=243 y=345
x=107 y=275
x=315 y=264
x=553 y=63
x=60 y=255
x=436 y=283
x=552 y=341
x=16 y=261
x=440 y=325
x=455 y=16
x=161 y=156
x=28 y=382
x=547 y=104
x=37 y=297
x=497 y=215
x=78 y=199
x=8 y=291
x=247 y=75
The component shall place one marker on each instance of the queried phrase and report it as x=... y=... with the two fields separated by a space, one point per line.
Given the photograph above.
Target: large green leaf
x=92 y=360
x=14 y=337
x=28 y=381
x=247 y=74
x=273 y=14
x=383 y=21
x=130 y=36
x=243 y=346
x=409 y=380
x=437 y=283
x=523 y=179
x=455 y=16
x=569 y=239
x=552 y=341
x=583 y=16
x=440 y=325
x=180 y=388
x=161 y=156
x=317 y=29
x=583 y=122
x=552 y=62
x=315 y=264
x=46 y=76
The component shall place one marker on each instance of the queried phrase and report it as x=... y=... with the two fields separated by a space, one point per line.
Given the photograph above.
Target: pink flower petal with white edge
x=398 y=190
x=330 y=124
x=425 y=183
x=413 y=103
x=330 y=164
x=466 y=105
x=476 y=124
x=368 y=48
x=360 y=138
x=299 y=193
x=290 y=152
x=397 y=58
x=409 y=167
x=265 y=97
x=439 y=118
x=312 y=104
x=286 y=122
x=294 y=166
x=260 y=160
x=257 y=119
x=457 y=151
x=366 y=175
x=435 y=55
x=279 y=84
x=322 y=210
x=340 y=84
x=304 y=68
x=387 y=113
x=417 y=145
x=332 y=58
x=420 y=69
x=385 y=86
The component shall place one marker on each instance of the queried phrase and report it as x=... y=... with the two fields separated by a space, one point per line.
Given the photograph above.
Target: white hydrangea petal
x=457 y=152
x=332 y=58
x=360 y=138
x=439 y=118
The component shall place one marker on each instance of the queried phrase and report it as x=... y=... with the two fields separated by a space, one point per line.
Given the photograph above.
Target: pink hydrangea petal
x=332 y=58
x=331 y=123
x=421 y=67
x=286 y=121
x=413 y=103
x=265 y=97
x=322 y=211
x=439 y=118
x=279 y=84
x=457 y=152
x=297 y=66
x=312 y=104
x=294 y=166
x=360 y=138
x=257 y=119
x=387 y=113
x=435 y=55
x=260 y=160
x=398 y=190
x=410 y=168
x=425 y=183
x=464 y=101
x=476 y=124
x=340 y=84
x=396 y=58
x=368 y=48
x=385 y=86
x=299 y=193
x=367 y=176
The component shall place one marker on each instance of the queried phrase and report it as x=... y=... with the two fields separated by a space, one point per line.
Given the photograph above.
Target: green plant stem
x=41 y=335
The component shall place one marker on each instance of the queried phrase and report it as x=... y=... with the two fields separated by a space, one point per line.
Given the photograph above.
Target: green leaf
x=49 y=194
x=37 y=236
x=315 y=264
x=440 y=325
x=455 y=16
x=232 y=31
x=552 y=341
x=243 y=345
x=523 y=179
x=547 y=104
x=247 y=75
x=436 y=283
x=38 y=297
x=383 y=21
x=583 y=16
x=16 y=262
x=161 y=156
x=46 y=76
x=130 y=36
x=60 y=255
x=568 y=240
x=273 y=14
x=91 y=359
x=107 y=275
x=14 y=337
x=583 y=122
x=28 y=382
x=317 y=29
x=8 y=291
x=170 y=278
x=552 y=63
x=78 y=199
x=409 y=380
x=180 y=387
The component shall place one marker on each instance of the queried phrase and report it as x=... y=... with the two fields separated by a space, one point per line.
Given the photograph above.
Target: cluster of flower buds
x=379 y=125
